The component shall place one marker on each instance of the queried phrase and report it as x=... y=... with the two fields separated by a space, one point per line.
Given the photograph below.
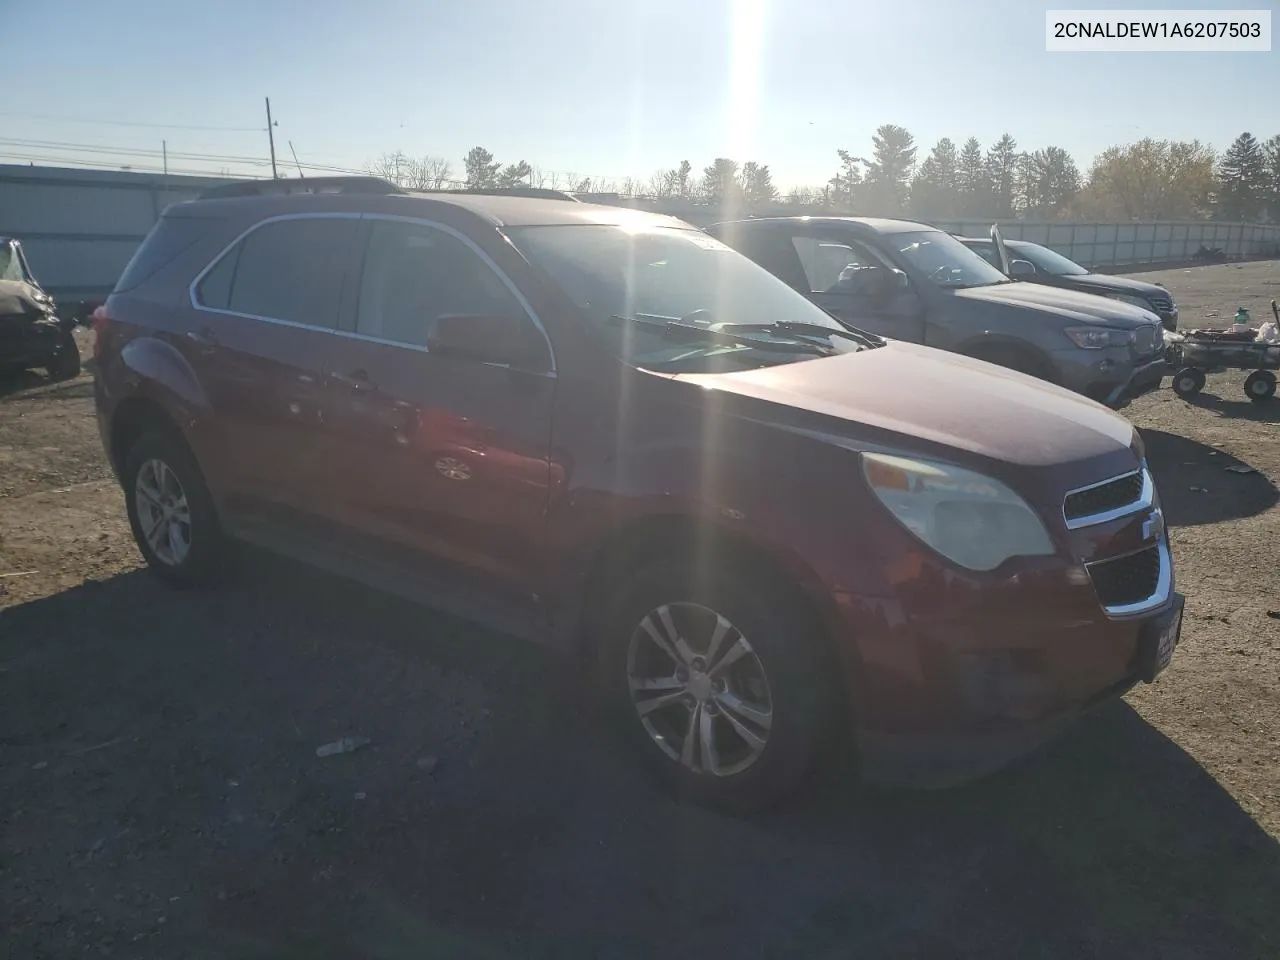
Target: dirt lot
x=160 y=795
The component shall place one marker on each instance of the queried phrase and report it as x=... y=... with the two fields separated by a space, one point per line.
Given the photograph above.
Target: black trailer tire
x=65 y=362
x=1188 y=381
x=1260 y=386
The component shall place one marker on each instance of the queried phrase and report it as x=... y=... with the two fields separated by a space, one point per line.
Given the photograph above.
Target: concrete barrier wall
x=80 y=227
x=1136 y=242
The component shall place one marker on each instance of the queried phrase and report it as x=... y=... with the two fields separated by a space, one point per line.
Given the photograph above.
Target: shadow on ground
x=162 y=796
x=1198 y=485
x=1233 y=409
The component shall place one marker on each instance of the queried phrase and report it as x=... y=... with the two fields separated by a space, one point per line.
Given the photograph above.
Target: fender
x=668 y=489
x=157 y=371
x=973 y=346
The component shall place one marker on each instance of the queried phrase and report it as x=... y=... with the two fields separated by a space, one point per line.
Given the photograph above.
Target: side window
x=215 y=289
x=414 y=273
x=285 y=270
x=828 y=262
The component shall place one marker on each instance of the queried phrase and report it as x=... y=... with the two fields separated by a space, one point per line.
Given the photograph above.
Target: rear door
x=439 y=463
x=263 y=314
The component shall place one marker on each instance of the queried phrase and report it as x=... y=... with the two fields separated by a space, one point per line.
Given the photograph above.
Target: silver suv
x=913 y=282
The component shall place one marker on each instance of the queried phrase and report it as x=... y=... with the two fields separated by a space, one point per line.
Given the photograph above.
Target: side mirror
x=479 y=337
x=1021 y=268
x=878 y=283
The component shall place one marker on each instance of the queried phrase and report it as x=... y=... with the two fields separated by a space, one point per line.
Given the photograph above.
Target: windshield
x=1054 y=264
x=944 y=259
x=623 y=279
x=10 y=264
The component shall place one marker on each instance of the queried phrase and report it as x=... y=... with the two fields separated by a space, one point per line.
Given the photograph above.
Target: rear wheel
x=1188 y=381
x=1260 y=386
x=717 y=681
x=171 y=512
x=65 y=362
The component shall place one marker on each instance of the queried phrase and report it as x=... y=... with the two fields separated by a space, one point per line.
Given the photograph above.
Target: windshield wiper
x=816 y=329
x=691 y=333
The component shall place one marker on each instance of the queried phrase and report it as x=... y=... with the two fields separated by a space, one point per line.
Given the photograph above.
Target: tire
x=1188 y=381
x=65 y=363
x=195 y=553
x=1260 y=386
x=765 y=701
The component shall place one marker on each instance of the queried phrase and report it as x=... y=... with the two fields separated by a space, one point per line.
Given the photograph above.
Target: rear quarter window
x=168 y=238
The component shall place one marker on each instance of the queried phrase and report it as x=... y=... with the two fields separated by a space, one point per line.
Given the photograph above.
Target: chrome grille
x=1102 y=499
x=1127 y=580
x=1162 y=304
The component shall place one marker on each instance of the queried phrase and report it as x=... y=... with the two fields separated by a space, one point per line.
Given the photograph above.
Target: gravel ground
x=160 y=795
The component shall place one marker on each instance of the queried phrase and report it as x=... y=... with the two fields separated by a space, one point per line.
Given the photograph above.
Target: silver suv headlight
x=969 y=518
x=1098 y=338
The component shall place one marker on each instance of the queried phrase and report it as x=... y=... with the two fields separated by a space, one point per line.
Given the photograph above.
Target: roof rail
x=541 y=193
x=282 y=187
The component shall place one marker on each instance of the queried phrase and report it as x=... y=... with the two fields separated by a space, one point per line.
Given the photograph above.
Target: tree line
x=1147 y=180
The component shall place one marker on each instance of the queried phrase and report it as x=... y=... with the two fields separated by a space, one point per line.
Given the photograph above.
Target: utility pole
x=164 y=149
x=271 y=138
x=301 y=175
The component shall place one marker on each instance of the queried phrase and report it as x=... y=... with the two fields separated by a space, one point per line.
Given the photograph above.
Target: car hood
x=1069 y=304
x=936 y=397
x=1105 y=283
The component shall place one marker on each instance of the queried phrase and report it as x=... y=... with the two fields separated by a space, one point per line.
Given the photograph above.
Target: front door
x=846 y=276
x=439 y=463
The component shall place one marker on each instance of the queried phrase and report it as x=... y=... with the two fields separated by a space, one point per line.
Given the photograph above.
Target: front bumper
x=1112 y=376
x=1019 y=705
x=953 y=674
x=1144 y=379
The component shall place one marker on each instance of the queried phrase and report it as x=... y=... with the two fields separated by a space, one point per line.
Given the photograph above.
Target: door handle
x=356 y=380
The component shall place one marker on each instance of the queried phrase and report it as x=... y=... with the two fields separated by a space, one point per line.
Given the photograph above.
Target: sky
x=611 y=88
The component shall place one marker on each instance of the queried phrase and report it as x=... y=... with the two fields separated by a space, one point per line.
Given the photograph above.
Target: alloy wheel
x=163 y=512
x=699 y=689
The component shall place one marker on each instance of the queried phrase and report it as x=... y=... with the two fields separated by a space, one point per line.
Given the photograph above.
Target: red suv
x=605 y=430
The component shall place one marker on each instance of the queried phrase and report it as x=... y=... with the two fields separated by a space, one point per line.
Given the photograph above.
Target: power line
x=131 y=123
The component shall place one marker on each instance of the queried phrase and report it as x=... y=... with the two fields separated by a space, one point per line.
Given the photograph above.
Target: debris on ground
x=1198 y=490
x=1240 y=468
x=428 y=764
x=344 y=745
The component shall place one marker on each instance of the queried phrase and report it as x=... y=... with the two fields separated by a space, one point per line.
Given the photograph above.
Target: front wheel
x=1260 y=386
x=171 y=512
x=718 y=682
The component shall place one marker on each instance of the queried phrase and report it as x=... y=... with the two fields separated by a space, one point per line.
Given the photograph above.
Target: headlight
x=1096 y=338
x=969 y=518
x=1142 y=302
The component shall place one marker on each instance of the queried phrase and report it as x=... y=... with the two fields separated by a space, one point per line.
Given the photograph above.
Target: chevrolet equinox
x=754 y=527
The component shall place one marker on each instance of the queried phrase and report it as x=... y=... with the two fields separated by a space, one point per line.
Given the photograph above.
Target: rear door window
x=289 y=270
